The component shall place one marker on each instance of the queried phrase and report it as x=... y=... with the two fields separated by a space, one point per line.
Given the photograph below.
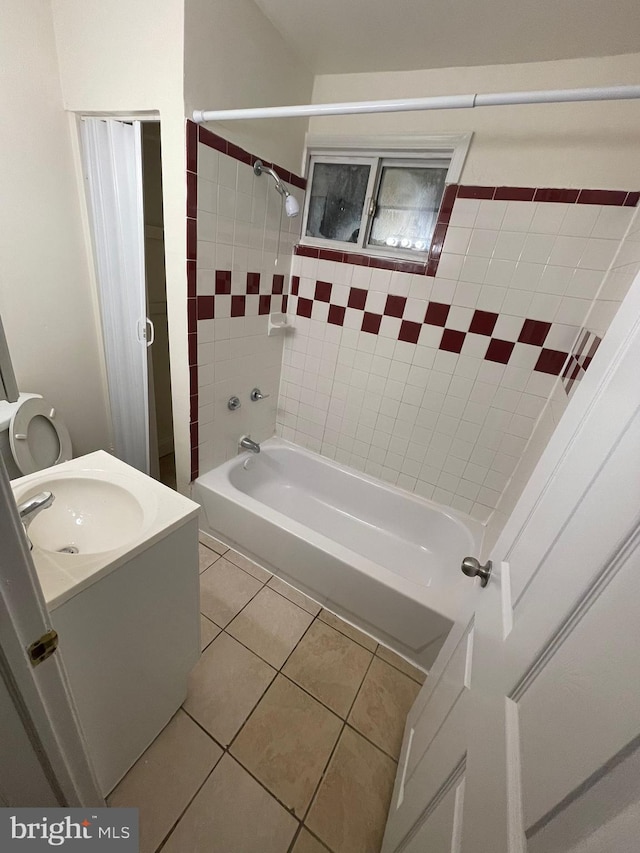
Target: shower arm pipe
x=443 y=102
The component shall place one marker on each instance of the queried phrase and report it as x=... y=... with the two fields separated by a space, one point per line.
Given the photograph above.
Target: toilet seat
x=38 y=436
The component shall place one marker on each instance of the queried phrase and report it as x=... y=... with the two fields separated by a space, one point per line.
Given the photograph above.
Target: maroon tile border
x=581 y=357
x=211 y=139
x=617 y=198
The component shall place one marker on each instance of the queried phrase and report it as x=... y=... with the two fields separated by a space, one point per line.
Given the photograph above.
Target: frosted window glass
x=337 y=199
x=408 y=202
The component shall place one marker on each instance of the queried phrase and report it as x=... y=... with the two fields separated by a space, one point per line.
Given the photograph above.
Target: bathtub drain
x=68 y=549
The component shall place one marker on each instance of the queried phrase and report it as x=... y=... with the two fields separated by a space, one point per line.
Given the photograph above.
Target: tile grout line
x=227 y=749
x=184 y=811
x=316 y=616
x=335 y=746
x=278 y=671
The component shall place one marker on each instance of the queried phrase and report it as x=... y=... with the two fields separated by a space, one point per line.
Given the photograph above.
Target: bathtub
x=385 y=560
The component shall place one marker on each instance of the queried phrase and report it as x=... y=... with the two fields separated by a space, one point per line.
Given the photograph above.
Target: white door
x=43 y=756
x=525 y=736
x=112 y=153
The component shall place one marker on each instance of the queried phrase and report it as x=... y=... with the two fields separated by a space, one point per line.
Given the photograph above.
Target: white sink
x=104 y=512
x=88 y=515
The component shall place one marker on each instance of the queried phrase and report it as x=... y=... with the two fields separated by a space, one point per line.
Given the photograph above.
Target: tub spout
x=247 y=443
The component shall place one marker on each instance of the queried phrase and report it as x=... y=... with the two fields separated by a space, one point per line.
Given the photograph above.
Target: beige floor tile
x=224 y=591
x=401 y=664
x=381 y=708
x=213 y=543
x=208 y=632
x=247 y=565
x=286 y=743
x=165 y=778
x=348 y=630
x=306 y=843
x=270 y=626
x=232 y=814
x=329 y=665
x=295 y=595
x=350 y=809
x=206 y=557
x=224 y=686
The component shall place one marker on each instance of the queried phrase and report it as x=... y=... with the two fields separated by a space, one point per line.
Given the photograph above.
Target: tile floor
x=289 y=737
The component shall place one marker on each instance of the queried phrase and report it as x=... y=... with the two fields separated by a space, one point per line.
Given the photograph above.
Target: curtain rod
x=444 y=102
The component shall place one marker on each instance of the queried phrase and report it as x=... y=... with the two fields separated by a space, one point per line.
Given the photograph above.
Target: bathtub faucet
x=247 y=443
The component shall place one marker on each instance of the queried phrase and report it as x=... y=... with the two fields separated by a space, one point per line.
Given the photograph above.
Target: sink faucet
x=31 y=507
x=247 y=443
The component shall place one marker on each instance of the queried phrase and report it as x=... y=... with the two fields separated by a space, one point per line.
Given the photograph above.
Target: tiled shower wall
x=436 y=383
x=616 y=283
x=242 y=265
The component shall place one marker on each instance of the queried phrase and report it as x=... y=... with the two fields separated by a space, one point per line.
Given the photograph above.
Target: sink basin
x=89 y=515
x=104 y=515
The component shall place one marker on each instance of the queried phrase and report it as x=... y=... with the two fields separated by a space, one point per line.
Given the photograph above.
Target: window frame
x=379 y=151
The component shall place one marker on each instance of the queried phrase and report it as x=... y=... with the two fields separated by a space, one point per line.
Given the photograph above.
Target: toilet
x=33 y=435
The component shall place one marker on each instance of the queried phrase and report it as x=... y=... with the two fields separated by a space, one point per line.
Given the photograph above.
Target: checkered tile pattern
x=579 y=360
x=252 y=301
x=501 y=338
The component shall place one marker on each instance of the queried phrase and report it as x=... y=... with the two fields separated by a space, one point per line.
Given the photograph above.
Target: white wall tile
x=490 y=214
x=518 y=216
x=464 y=212
x=548 y=218
x=454 y=427
x=579 y=220
x=612 y=222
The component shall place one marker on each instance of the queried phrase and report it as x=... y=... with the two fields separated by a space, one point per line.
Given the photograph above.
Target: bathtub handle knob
x=233 y=403
x=257 y=394
x=472 y=568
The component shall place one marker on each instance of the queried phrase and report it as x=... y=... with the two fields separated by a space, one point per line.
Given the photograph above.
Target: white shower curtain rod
x=444 y=102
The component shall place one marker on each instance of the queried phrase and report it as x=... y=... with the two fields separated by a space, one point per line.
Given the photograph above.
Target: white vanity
x=125 y=606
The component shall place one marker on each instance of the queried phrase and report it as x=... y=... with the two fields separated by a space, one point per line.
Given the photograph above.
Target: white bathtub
x=385 y=560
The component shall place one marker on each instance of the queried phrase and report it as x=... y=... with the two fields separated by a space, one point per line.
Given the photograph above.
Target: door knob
x=472 y=568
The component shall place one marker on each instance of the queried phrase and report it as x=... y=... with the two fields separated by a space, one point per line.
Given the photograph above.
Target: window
x=382 y=202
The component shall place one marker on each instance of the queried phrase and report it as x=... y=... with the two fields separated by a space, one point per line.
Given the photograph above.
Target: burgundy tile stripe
x=532 y=333
x=616 y=198
x=580 y=359
x=361 y=260
x=195 y=309
x=247 y=304
x=239 y=305
x=220 y=144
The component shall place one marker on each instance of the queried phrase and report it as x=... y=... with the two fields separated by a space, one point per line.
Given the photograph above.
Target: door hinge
x=43 y=648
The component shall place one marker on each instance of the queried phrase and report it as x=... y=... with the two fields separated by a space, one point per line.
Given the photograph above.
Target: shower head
x=291 y=206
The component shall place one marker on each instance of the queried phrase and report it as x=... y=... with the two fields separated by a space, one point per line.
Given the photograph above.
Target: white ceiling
x=341 y=36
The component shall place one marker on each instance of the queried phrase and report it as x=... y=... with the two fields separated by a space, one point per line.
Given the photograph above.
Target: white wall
x=45 y=297
x=590 y=145
x=125 y=56
x=234 y=57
